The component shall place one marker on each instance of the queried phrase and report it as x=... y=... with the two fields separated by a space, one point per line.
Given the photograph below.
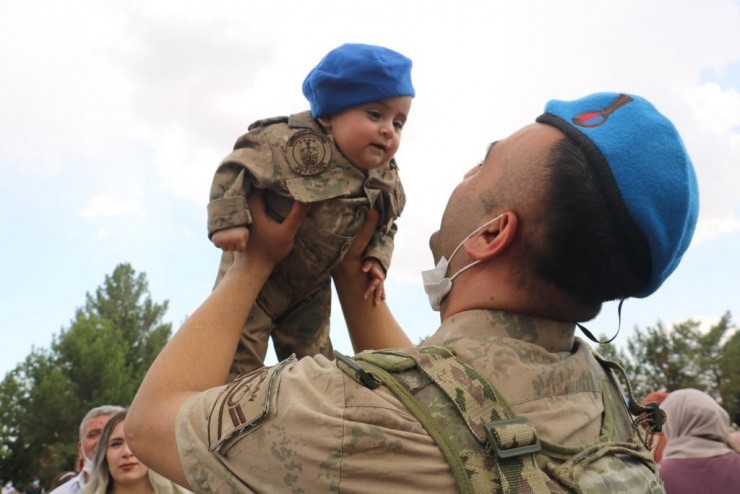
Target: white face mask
x=436 y=283
x=89 y=466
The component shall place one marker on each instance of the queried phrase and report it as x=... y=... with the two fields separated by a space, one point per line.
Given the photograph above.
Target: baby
x=339 y=158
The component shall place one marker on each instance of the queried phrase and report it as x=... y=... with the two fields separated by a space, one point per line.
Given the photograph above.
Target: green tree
x=100 y=359
x=729 y=365
x=685 y=356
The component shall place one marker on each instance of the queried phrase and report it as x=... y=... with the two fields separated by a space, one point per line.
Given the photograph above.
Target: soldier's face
x=369 y=135
x=509 y=177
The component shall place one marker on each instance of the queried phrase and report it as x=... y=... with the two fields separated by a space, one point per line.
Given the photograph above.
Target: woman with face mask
x=116 y=470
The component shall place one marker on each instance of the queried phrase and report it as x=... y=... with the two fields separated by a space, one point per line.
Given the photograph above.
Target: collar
x=553 y=336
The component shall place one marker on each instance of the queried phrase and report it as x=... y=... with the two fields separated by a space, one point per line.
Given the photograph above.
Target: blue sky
x=113 y=117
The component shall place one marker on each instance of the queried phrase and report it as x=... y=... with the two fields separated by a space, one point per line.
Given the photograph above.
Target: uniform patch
x=308 y=152
x=242 y=406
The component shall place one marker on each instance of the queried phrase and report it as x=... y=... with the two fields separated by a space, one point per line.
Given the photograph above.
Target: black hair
x=587 y=252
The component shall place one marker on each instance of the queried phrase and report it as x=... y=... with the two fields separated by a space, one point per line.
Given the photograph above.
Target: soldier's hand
x=375 y=286
x=232 y=239
x=351 y=263
x=268 y=238
x=359 y=244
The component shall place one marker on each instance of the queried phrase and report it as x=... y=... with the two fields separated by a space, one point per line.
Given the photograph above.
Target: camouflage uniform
x=292 y=158
x=307 y=426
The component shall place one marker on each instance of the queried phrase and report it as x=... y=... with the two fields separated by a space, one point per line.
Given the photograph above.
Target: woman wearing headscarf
x=118 y=471
x=697 y=457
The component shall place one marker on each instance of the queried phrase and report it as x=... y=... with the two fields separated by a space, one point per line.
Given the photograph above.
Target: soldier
x=596 y=201
x=339 y=157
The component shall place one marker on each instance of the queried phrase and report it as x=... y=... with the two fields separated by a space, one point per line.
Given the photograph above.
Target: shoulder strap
x=651 y=414
x=506 y=439
x=266 y=122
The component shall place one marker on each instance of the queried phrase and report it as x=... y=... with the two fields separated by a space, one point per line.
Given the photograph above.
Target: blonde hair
x=101 y=481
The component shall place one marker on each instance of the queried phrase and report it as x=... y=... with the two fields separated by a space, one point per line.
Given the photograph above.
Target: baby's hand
x=375 y=286
x=231 y=239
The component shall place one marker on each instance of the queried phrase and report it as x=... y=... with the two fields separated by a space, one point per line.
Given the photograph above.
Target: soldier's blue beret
x=642 y=163
x=355 y=74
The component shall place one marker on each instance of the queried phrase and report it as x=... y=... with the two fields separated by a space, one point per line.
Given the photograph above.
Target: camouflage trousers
x=302 y=329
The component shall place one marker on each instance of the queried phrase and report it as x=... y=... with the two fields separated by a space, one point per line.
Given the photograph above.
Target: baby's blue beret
x=355 y=74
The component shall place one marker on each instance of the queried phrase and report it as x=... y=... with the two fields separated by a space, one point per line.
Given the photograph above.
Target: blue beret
x=642 y=163
x=355 y=74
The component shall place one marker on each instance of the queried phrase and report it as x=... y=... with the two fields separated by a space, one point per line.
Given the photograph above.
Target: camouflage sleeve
x=249 y=165
x=381 y=246
x=227 y=207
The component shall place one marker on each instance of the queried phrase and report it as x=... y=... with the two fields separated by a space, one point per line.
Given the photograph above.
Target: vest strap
x=511 y=439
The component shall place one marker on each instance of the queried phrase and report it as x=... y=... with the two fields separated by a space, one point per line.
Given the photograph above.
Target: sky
x=114 y=115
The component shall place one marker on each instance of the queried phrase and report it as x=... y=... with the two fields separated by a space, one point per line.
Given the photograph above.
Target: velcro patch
x=242 y=406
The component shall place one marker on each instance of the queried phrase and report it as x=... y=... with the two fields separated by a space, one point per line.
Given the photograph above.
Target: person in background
x=61 y=478
x=35 y=487
x=697 y=457
x=116 y=470
x=90 y=428
x=9 y=488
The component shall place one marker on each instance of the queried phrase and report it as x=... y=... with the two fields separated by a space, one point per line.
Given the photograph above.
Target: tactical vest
x=492 y=450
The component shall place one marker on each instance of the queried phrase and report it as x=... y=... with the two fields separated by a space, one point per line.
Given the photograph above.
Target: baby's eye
x=398 y=125
x=373 y=114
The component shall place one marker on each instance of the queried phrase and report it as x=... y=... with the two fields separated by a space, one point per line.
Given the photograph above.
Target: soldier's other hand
x=351 y=263
x=268 y=238
x=359 y=244
x=232 y=239
x=375 y=286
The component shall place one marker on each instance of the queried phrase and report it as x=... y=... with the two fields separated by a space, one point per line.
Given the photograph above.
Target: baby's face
x=369 y=134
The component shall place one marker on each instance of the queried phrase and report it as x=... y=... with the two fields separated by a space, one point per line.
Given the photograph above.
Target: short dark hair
x=586 y=250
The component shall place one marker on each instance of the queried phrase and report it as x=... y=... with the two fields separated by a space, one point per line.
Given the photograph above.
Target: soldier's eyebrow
x=490 y=148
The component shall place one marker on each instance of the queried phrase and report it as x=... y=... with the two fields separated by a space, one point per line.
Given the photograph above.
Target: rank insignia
x=308 y=152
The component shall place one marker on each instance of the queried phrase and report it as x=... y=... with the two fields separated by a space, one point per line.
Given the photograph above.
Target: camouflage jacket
x=307 y=426
x=292 y=158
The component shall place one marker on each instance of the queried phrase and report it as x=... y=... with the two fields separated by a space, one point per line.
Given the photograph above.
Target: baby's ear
x=325 y=122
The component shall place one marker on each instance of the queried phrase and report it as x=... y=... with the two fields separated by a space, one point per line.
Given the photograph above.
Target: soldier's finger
x=372 y=216
x=379 y=294
x=296 y=215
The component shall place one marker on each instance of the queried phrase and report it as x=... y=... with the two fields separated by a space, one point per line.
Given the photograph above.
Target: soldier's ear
x=325 y=122
x=494 y=238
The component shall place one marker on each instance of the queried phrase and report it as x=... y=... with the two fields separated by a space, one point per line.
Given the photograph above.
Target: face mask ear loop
x=459 y=246
x=619 y=326
x=462 y=270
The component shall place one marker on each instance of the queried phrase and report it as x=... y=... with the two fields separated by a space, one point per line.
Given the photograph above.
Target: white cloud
x=717 y=110
x=108 y=207
x=712 y=134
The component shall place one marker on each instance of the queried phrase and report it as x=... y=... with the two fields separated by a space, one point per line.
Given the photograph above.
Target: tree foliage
x=99 y=359
x=684 y=356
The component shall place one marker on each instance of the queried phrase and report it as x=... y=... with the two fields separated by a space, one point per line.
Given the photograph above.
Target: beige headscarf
x=696 y=425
